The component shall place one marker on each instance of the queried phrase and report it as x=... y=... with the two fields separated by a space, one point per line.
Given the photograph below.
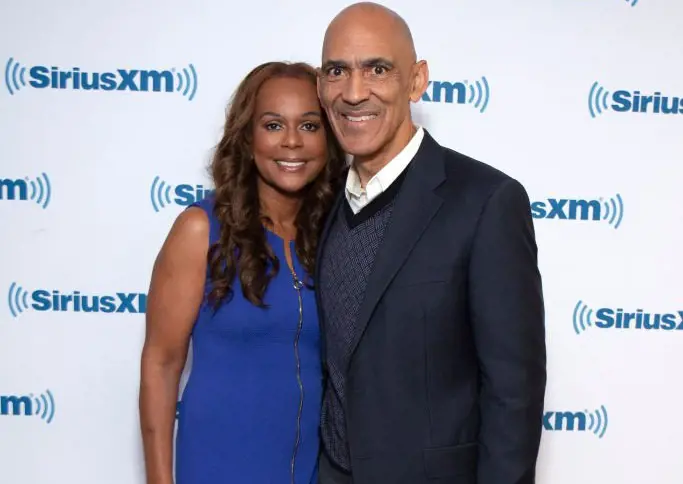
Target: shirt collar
x=386 y=176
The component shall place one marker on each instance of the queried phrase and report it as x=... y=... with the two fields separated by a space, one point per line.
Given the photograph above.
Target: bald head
x=389 y=25
x=368 y=78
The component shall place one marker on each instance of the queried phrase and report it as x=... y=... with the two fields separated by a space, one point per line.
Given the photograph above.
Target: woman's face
x=289 y=140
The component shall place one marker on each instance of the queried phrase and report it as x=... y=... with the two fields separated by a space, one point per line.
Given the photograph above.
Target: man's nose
x=355 y=89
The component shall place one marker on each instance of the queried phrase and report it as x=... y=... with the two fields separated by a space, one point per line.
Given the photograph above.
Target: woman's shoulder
x=207 y=204
x=201 y=212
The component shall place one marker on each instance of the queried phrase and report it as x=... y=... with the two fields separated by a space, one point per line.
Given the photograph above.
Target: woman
x=234 y=274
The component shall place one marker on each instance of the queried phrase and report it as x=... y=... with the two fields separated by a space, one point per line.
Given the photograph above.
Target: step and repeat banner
x=109 y=112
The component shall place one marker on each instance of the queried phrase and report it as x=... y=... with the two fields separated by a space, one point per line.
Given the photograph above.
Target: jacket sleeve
x=507 y=314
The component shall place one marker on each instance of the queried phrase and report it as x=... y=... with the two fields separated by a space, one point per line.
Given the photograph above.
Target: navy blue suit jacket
x=447 y=379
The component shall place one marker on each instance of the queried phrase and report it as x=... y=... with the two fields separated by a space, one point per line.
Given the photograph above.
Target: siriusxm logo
x=595 y=422
x=20 y=300
x=41 y=406
x=610 y=211
x=610 y=318
x=462 y=92
x=163 y=194
x=182 y=81
x=624 y=101
x=36 y=189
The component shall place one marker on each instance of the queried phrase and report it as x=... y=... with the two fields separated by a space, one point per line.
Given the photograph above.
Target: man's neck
x=367 y=167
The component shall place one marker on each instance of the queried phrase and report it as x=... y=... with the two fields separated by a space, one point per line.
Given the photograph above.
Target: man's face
x=365 y=85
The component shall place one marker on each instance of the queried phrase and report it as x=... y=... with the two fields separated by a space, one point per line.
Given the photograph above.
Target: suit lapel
x=415 y=206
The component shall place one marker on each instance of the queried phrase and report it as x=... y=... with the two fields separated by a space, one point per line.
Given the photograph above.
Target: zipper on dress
x=298 y=285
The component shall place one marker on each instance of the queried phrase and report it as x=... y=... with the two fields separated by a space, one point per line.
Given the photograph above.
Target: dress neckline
x=281 y=239
x=280 y=250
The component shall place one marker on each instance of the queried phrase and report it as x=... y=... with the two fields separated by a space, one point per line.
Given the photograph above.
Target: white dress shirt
x=359 y=197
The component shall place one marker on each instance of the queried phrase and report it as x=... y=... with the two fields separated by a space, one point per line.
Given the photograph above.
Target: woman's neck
x=280 y=208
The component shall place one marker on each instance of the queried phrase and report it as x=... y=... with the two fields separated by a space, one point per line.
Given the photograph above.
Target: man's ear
x=420 y=80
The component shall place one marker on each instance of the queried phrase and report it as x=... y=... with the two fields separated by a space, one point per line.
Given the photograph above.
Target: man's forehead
x=363 y=46
x=357 y=52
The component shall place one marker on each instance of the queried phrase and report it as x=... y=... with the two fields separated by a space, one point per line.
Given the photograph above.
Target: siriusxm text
x=609 y=318
x=13 y=189
x=186 y=195
x=121 y=302
x=565 y=421
x=448 y=92
x=41 y=405
x=565 y=209
x=595 y=422
x=43 y=77
x=16 y=405
x=635 y=102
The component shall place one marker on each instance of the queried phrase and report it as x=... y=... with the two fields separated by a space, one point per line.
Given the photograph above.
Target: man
x=430 y=296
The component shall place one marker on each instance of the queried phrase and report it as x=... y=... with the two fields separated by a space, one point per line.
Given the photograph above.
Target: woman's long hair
x=242 y=248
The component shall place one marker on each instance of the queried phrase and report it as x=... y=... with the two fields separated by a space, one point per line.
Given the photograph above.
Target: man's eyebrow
x=334 y=63
x=374 y=61
x=377 y=61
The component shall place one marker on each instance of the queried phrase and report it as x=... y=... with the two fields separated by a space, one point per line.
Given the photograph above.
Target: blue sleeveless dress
x=240 y=418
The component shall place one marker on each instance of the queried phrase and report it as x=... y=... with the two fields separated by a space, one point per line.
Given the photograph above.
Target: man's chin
x=359 y=147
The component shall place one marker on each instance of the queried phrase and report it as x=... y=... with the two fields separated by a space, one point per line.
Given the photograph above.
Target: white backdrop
x=91 y=180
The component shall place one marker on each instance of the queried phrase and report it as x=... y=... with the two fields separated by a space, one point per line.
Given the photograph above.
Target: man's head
x=368 y=78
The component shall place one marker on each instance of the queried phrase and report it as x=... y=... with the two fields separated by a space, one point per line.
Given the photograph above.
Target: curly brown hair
x=242 y=243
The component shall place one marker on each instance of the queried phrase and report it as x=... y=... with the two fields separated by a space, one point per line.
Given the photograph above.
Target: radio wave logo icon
x=41 y=406
x=160 y=194
x=479 y=94
x=15 y=76
x=597 y=100
x=476 y=94
x=583 y=317
x=613 y=210
x=44 y=406
x=595 y=421
x=187 y=81
x=598 y=421
x=41 y=190
x=38 y=189
x=17 y=299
